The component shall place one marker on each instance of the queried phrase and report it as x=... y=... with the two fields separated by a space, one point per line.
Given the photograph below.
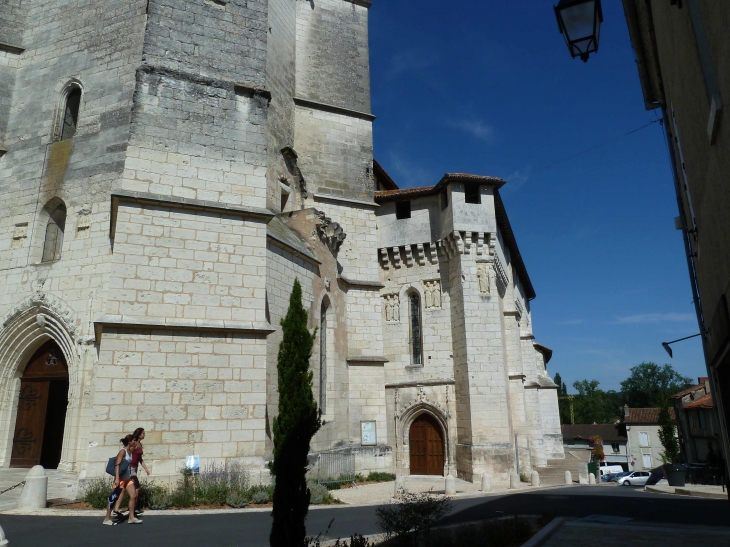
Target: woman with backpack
x=123 y=481
x=137 y=451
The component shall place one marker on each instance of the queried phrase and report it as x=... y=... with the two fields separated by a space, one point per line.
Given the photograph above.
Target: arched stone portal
x=42 y=404
x=426 y=446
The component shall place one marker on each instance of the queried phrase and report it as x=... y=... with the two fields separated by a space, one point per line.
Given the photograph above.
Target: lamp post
x=665 y=345
x=579 y=22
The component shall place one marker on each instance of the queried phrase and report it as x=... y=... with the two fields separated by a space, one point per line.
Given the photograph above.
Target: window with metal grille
x=416 y=352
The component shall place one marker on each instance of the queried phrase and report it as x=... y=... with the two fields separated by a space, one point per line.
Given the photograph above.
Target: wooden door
x=41 y=413
x=30 y=423
x=426 y=445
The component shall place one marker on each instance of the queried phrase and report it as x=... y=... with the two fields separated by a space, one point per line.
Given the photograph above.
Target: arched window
x=323 y=358
x=54 y=231
x=70 y=114
x=416 y=349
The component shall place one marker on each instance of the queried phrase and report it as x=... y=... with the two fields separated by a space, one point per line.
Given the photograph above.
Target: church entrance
x=426 y=444
x=38 y=437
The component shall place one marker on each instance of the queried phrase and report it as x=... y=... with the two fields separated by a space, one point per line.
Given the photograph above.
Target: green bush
x=148 y=489
x=319 y=494
x=410 y=519
x=260 y=496
x=96 y=492
x=379 y=476
x=237 y=500
x=159 y=499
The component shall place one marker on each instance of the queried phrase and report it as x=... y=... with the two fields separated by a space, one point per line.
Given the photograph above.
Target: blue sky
x=490 y=88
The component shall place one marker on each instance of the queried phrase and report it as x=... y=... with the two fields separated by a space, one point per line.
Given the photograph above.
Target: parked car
x=614 y=477
x=605 y=468
x=635 y=478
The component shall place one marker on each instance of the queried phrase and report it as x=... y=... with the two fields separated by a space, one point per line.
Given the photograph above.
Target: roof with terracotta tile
x=608 y=432
x=689 y=390
x=645 y=415
x=388 y=195
x=702 y=402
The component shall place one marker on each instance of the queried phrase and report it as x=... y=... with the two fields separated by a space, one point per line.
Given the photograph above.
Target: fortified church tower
x=167 y=169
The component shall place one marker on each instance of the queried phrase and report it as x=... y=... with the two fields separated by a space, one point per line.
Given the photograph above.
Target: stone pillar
x=486 y=483
x=35 y=490
x=449 y=485
x=568 y=478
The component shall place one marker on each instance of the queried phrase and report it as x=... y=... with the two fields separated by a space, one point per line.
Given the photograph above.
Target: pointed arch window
x=416 y=345
x=323 y=358
x=53 y=241
x=70 y=114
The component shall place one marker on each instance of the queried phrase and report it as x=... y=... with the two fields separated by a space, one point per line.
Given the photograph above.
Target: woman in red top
x=137 y=452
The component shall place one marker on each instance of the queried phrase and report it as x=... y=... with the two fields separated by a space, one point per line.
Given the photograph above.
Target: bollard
x=568 y=478
x=3 y=539
x=583 y=473
x=35 y=490
x=514 y=481
x=400 y=487
x=486 y=483
x=591 y=478
x=449 y=485
x=535 y=479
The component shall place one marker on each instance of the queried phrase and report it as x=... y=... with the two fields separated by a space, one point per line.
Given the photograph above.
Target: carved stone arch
x=30 y=324
x=409 y=415
x=416 y=287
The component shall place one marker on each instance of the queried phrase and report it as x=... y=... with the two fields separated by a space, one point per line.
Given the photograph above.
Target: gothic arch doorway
x=41 y=416
x=426 y=446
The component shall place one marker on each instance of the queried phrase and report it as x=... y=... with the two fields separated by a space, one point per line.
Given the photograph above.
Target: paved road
x=252 y=529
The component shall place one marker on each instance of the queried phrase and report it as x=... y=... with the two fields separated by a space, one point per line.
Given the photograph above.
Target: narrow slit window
x=416 y=351
x=323 y=359
x=71 y=114
x=53 y=241
x=444 y=200
x=403 y=209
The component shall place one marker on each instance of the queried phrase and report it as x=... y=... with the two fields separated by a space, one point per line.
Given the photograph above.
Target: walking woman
x=123 y=481
x=137 y=452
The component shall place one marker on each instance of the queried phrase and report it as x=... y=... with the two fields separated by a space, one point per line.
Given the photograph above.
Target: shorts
x=124 y=483
x=135 y=480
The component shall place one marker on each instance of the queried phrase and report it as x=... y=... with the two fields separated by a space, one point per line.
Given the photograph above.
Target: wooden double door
x=39 y=424
x=426 y=446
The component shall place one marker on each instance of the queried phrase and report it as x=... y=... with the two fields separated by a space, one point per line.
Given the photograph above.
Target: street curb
x=51 y=512
x=689 y=493
x=543 y=535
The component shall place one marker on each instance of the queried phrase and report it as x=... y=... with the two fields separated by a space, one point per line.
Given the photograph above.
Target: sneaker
x=134 y=521
x=109 y=523
x=137 y=513
x=118 y=514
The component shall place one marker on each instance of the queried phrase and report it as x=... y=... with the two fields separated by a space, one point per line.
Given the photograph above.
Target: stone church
x=167 y=169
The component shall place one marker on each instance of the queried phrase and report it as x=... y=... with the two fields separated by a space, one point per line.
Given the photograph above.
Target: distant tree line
x=648 y=386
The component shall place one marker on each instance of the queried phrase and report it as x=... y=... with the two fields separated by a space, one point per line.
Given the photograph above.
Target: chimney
x=626 y=411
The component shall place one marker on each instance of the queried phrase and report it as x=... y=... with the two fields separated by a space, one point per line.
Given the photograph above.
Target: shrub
x=355 y=541
x=96 y=492
x=524 y=477
x=412 y=517
x=148 y=489
x=260 y=496
x=159 y=499
x=237 y=500
x=379 y=476
x=318 y=494
x=218 y=481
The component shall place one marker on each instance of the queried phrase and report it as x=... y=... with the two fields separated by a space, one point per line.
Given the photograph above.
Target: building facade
x=168 y=169
x=682 y=51
x=642 y=431
x=577 y=438
x=697 y=425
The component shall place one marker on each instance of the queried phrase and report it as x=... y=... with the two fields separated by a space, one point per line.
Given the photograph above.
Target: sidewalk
x=695 y=490
x=382 y=492
x=60 y=486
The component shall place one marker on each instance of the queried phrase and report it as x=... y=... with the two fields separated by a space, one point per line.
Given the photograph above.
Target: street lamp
x=665 y=345
x=579 y=22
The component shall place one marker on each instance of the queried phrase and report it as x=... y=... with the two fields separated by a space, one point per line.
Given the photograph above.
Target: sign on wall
x=193 y=463
x=368 y=436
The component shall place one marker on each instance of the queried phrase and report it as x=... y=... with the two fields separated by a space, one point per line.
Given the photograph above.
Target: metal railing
x=336 y=467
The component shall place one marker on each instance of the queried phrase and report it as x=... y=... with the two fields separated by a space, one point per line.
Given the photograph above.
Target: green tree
x=298 y=420
x=588 y=404
x=650 y=385
x=666 y=435
x=563 y=404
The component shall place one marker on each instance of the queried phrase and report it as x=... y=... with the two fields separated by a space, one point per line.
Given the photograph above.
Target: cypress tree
x=298 y=420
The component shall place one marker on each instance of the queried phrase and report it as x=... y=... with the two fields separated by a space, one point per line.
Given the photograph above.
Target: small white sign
x=193 y=463
x=367 y=434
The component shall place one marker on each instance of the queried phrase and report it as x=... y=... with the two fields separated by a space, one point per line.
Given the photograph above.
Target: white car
x=637 y=478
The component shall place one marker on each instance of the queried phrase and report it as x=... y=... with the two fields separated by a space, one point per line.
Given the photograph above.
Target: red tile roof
x=702 y=402
x=645 y=415
x=688 y=391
